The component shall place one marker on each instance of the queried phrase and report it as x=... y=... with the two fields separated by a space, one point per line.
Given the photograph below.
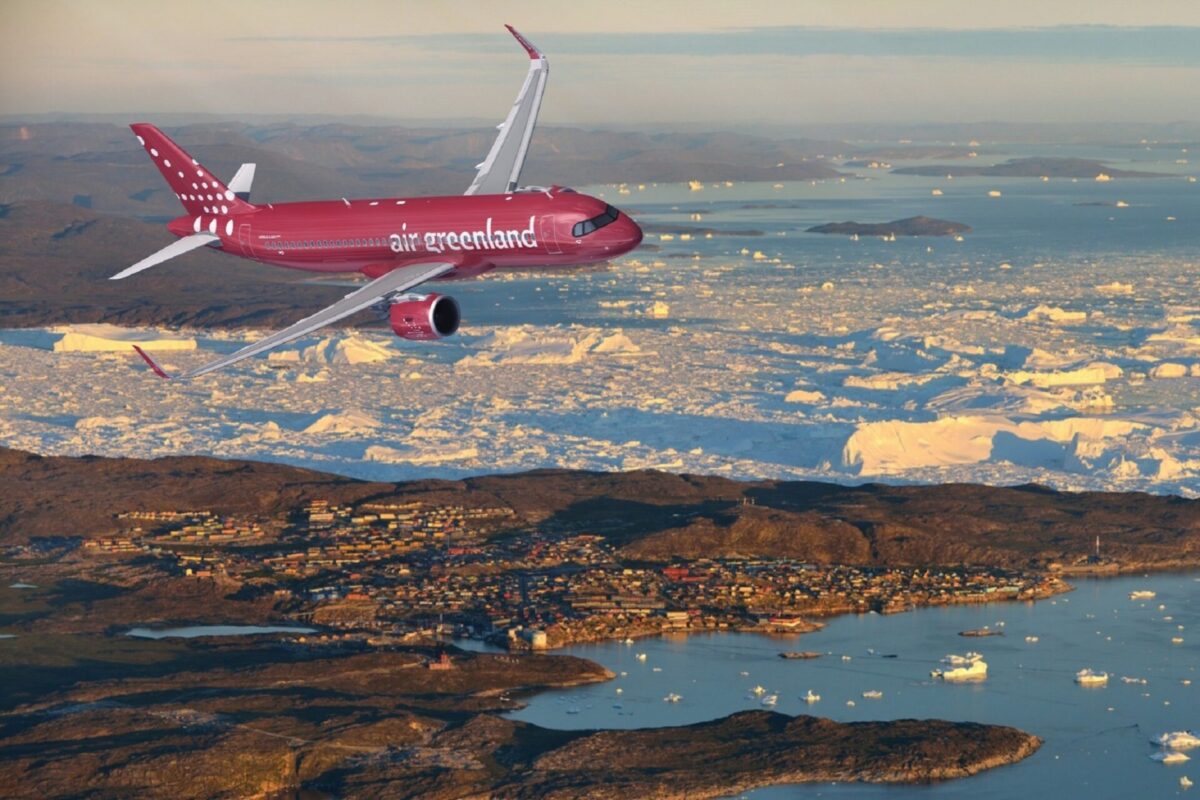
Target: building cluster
x=400 y=568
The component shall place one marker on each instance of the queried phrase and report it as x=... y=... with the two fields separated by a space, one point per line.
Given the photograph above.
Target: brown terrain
x=652 y=515
x=88 y=711
x=383 y=725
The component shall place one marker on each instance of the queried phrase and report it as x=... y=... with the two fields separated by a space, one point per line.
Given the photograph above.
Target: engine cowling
x=434 y=316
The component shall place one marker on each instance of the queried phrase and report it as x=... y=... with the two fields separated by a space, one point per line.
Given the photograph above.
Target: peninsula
x=1037 y=167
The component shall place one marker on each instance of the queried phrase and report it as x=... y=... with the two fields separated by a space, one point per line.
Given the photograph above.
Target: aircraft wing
x=501 y=170
x=398 y=280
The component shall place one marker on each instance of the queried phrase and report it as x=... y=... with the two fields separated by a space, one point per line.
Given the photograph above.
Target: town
x=416 y=571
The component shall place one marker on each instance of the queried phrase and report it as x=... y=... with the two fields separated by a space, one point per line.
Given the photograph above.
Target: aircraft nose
x=631 y=233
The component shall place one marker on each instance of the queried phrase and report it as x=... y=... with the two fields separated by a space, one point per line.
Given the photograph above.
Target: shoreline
x=810 y=623
x=817 y=621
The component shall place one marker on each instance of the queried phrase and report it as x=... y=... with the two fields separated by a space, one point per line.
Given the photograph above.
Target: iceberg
x=101 y=338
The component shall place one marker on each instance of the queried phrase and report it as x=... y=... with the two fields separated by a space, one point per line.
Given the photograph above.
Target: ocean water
x=781 y=355
x=193 y=631
x=1097 y=741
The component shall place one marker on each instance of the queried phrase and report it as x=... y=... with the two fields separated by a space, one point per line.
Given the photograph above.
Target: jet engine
x=432 y=316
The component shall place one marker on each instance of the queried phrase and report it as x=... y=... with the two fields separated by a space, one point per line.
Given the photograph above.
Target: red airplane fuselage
x=476 y=233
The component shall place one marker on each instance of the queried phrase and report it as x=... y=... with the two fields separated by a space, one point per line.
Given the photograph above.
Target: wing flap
x=398 y=280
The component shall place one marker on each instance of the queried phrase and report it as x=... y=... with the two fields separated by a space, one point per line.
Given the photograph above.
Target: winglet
x=534 y=53
x=157 y=369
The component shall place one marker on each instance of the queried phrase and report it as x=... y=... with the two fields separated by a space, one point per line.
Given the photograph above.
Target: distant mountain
x=100 y=166
x=652 y=516
x=910 y=226
x=1031 y=168
x=75 y=200
x=55 y=261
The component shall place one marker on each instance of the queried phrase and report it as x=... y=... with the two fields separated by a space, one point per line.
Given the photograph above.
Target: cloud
x=1151 y=45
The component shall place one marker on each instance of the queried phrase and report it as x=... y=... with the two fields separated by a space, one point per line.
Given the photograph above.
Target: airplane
x=398 y=243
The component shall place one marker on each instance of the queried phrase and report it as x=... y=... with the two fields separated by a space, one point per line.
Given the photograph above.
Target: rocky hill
x=651 y=515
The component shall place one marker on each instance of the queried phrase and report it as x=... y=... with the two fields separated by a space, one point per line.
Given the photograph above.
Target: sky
x=652 y=62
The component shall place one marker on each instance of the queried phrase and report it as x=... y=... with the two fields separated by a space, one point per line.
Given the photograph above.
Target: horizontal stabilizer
x=176 y=248
x=242 y=179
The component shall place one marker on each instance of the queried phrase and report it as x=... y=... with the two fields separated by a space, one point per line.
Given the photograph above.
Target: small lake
x=1096 y=740
x=193 y=631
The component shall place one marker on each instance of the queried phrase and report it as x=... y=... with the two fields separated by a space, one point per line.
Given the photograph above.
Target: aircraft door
x=547 y=233
x=244 y=238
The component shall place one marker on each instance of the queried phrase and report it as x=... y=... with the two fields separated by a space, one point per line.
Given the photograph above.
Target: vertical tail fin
x=199 y=190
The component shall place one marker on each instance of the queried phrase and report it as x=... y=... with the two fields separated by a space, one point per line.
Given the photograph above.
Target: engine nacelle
x=433 y=316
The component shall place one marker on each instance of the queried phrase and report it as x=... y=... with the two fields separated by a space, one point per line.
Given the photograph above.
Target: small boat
x=1170 y=756
x=1128 y=679
x=1178 y=740
x=640 y=656
x=656 y=669
x=1176 y=640
x=850 y=703
x=573 y=710
x=759 y=690
x=672 y=698
x=770 y=700
x=628 y=640
x=984 y=631
x=620 y=690
x=1142 y=594
x=1031 y=639
x=845 y=658
x=811 y=697
x=1089 y=677
x=800 y=654
x=1184 y=782
x=872 y=694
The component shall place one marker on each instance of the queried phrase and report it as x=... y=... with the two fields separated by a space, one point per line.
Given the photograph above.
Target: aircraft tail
x=201 y=192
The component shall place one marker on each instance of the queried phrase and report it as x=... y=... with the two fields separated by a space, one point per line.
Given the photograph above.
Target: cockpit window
x=595 y=223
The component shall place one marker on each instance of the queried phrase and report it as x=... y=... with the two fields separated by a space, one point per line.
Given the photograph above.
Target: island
x=1036 y=167
x=910 y=226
